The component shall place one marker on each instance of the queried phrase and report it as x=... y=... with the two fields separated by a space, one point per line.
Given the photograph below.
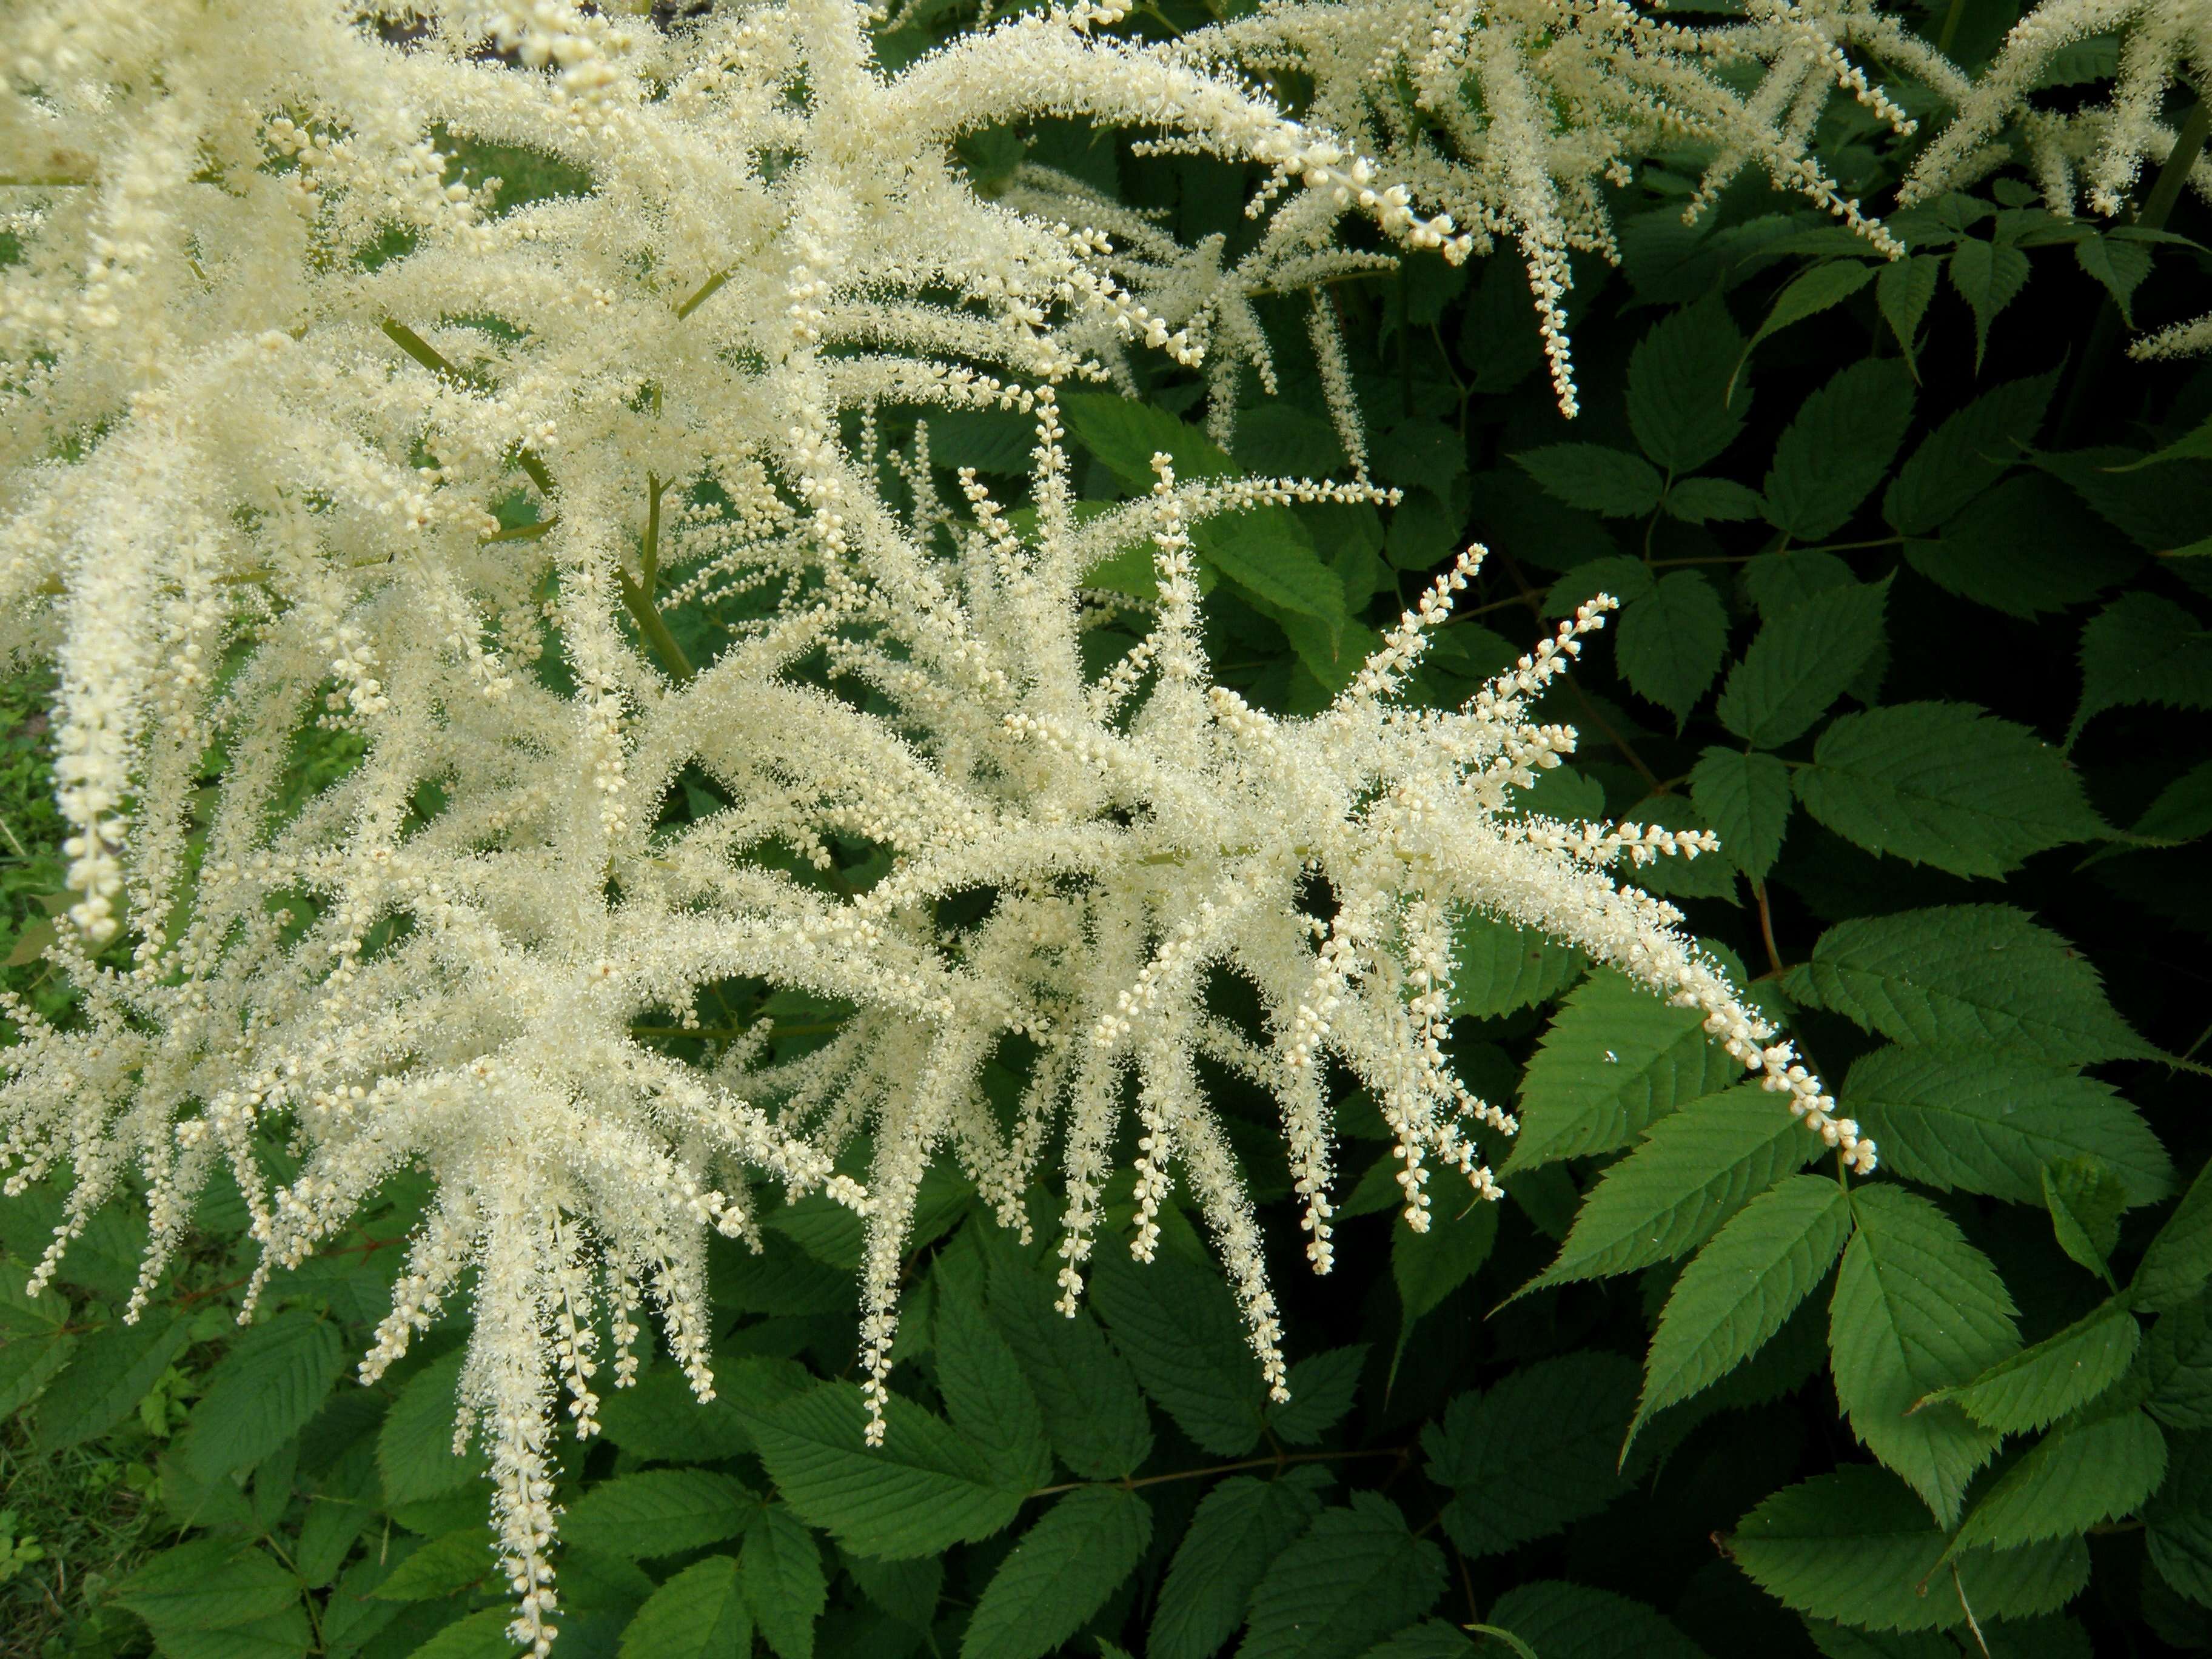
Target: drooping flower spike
x=301 y=433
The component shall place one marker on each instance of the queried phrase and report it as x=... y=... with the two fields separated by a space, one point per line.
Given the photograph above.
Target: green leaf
x=1539 y=1450
x=1428 y=1267
x=1432 y=1638
x=1708 y=501
x=27 y=1363
x=444 y=1567
x=2142 y=648
x=907 y=1591
x=1240 y=1527
x=2161 y=508
x=1747 y=800
x=1902 y=292
x=923 y=1490
x=2177 y=1262
x=1967 y=454
x=1276 y=441
x=1779 y=581
x=2038 y=1386
x=658 y=1512
x=2085 y=1196
x=1679 y=394
x=1857 y=1546
x=342 y=1504
x=784 y=1583
x=989 y=439
x=1177 y=1326
x=1988 y=276
x=1356 y=1575
x=2026 y=546
x=986 y=1395
x=24 y=1314
x=1614 y=1062
x=1695 y=1169
x=2180 y=1367
x=479 y=1636
x=1965 y=975
x=113 y=1368
x=414 y=1447
x=700 y=1613
x=1611 y=483
x=659 y=1419
x=2183 y=810
x=1838 y=448
x=1736 y=1291
x=1093 y=1414
x=1059 y=1574
x=1670 y=644
x=2078 y=1475
x=1125 y=435
x=282 y=1635
x=1821 y=288
x=1975 y=1120
x=1266 y=552
x=1322 y=1389
x=1946 y=785
x=1917 y=1309
x=1801 y=661
x=2180 y=1519
x=263 y=1392
x=1622 y=579
x=209 y=1583
x=1499 y=967
x=1560 y=1620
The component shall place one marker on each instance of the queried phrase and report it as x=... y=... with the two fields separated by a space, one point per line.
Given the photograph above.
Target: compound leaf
x=1696 y=1167
x=700 y=1613
x=658 y=1512
x=2078 y=1475
x=1059 y=1574
x=1240 y=1527
x=1801 y=662
x=1356 y=1575
x=1857 y=1546
x=1736 y=1292
x=924 y=1489
x=1976 y=1120
x=1540 y=1450
x=1830 y=459
x=1917 y=1309
x=1964 y=976
x=1615 y=1061
x=1747 y=800
x=1946 y=785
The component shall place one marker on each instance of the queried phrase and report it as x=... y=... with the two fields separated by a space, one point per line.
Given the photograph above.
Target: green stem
x=653 y=630
x=427 y=355
x=2166 y=189
x=706 y=293
x=637 y=597
x=1281 y=1460
x=648 y=559
x=1950 y=29
x=522 y=533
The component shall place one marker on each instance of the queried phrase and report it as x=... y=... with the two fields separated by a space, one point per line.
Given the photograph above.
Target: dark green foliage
x=1914 y=589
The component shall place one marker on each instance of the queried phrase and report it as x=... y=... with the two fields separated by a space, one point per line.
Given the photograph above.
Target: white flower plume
x=270 y=377
x=1512 y=113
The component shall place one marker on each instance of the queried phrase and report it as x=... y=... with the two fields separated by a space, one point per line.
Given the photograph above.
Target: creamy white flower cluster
x=1512 y=113
x=2097 y=148
x=268 y=376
